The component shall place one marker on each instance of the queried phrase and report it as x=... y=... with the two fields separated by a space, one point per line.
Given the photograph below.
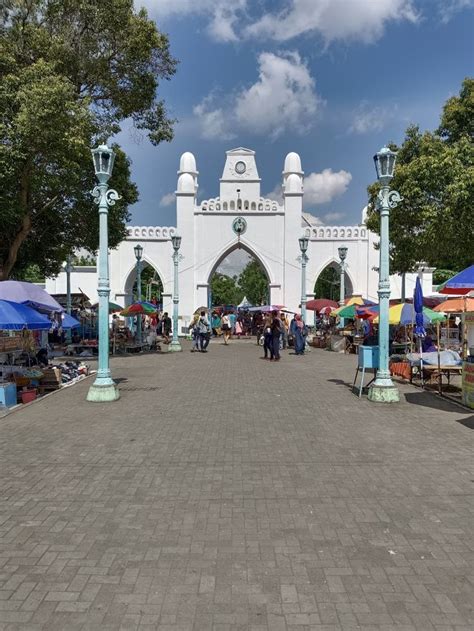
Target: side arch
x=333 y=263
x=131 y=275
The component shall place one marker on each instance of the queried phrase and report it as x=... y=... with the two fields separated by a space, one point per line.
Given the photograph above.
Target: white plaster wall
x=83 y=279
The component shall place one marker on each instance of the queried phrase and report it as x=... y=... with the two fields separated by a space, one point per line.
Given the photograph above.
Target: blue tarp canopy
x=15 y=316
x=461 y=284
x=68 y=322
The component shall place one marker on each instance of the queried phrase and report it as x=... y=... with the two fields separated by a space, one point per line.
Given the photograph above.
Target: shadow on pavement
x=467 y=422
x=340 y=382
x=430 y=400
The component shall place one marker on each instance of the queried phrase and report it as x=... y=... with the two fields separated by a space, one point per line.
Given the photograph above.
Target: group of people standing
x=276 y=332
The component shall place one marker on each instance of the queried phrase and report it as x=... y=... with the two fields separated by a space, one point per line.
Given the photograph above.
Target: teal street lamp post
x=383 y=389
x=138 y=249
x=342 y=251
x=68 y=269
x=175 y=346
x=303 y=241
x=104 y=388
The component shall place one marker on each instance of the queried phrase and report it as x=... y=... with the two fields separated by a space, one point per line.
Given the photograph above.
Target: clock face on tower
x=240 y=167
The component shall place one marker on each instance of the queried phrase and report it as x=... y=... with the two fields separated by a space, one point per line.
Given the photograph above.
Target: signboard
x=468 y=384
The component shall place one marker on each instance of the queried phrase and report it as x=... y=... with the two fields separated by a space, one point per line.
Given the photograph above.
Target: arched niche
x=328 y=280
x=151 y=281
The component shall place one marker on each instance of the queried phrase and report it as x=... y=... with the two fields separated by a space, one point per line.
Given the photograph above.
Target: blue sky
x=333 y=80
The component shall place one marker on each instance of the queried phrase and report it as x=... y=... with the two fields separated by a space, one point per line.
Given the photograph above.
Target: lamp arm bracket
x=109 y=196
x=387 y=198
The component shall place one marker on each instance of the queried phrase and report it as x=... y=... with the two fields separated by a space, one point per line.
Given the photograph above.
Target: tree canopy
x=72 y=72
x=252 y=282
x=435 y=176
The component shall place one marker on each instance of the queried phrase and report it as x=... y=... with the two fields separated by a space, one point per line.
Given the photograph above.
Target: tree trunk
x=7 y=265
x=24 y=194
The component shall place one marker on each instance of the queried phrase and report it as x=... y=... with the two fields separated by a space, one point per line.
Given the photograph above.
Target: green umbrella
x=347 y=312
x=113 y=307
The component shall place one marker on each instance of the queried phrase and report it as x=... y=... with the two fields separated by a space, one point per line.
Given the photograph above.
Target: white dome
x=292 y=163
x=293 y=184
x=187 y=164
x=186 y=183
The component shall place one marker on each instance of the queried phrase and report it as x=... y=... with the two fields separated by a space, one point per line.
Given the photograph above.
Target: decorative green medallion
x=239 y=226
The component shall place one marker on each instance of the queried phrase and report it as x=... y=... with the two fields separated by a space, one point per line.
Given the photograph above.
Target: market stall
x=25 y=371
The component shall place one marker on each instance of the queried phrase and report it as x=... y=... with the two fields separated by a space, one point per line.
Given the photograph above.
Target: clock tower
x=240 y=177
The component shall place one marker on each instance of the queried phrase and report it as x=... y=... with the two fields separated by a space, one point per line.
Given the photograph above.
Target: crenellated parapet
x=329 y=233
x=215 y=204
x=150 y=233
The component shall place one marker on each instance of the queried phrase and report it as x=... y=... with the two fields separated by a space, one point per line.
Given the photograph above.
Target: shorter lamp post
x=303 y=241
x=68 y=269
x=342 y=251
x=138 y=255
x=175 y=346
x=383 y=389
x=104 y=388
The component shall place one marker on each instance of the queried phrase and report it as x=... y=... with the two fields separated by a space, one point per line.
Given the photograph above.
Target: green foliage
x=84 y=261
x=328 y=284
x=151 y=285
x=72 y=71
x=253 y=283
x=435 y=176
x=31 y=274
x=225 y=290
x=440 y=276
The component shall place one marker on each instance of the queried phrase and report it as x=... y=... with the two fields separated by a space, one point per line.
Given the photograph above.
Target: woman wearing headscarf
x=298 y=331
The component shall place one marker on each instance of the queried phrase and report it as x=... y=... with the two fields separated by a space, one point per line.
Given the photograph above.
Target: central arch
x=253 y=256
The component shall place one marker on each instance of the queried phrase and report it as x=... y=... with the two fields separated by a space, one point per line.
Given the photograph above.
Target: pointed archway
x=233 y=277
x=151 y=284
x=328 y=283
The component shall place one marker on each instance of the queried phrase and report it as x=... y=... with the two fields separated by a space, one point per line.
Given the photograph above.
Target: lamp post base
x=384 y=393
x=102 y=393
x=174 y=347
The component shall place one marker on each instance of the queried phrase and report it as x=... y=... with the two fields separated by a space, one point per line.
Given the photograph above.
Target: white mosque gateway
x=240 y=218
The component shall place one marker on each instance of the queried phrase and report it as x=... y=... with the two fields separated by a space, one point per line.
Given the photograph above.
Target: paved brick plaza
x=223 y=492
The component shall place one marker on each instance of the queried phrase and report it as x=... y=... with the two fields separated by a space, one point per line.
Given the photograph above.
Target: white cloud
x=214 y=123
x=282 y=99
x=167 y=200
x=369 y=118
x=333 y=217
x=449 y=7
x=323 y=187
x=276 y=194
x=223 y=15
x=333 y=20
x=361 y=20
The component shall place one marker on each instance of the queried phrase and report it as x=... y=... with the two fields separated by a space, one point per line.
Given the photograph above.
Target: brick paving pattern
x=226 y=493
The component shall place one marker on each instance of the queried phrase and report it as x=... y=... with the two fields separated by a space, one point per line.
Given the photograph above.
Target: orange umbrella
x=456 y=305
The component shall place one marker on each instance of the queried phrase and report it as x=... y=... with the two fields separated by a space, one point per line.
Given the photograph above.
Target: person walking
x=215 y=324
x=204 y=332
x=166 y=327
x=267 y=338
x=277 y=328
x=226 y=325
x=298 y=331
x=194 y=329
x=284 y=332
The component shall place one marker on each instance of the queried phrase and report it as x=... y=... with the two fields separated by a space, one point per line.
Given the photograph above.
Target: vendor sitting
x=76 y=338
x=428 y=346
